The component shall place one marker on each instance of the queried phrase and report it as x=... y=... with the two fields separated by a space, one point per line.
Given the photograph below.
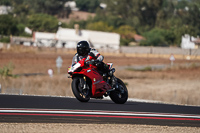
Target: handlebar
x=92 y=62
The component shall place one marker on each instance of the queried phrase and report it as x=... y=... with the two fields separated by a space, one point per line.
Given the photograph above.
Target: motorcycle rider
x=83 y=50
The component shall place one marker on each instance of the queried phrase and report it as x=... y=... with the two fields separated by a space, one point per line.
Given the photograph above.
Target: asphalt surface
x=22 y=108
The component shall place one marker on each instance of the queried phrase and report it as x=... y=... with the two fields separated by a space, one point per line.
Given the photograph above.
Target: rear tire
x=117 y=96
x=79 y=93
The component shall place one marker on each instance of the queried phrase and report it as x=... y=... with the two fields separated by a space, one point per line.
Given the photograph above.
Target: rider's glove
x=92 y=62
x=98 y=63
x=87 y=63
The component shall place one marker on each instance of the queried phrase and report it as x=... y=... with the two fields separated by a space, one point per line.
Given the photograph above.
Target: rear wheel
x=78 y=90
x=119 y=95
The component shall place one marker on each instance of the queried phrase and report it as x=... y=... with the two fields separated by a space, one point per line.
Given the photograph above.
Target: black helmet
x=83 y=48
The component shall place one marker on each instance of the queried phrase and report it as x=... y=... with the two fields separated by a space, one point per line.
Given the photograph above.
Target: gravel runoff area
x=91 y=128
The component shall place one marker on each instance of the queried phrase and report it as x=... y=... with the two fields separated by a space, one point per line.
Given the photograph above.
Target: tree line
x=161 y=22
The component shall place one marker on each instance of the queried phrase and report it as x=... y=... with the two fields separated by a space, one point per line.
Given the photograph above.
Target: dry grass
x=178 y=85
x=58 y=85
x=165 y=86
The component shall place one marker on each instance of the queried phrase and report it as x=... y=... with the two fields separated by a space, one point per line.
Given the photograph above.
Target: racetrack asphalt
x=24 y=108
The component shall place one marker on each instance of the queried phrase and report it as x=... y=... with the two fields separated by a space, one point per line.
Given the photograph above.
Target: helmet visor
x=82 y=51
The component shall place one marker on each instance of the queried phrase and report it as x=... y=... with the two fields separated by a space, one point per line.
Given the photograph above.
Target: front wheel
x=81 y=93
x=120 y=95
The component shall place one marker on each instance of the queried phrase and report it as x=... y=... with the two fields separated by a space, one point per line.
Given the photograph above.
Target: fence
x=160 y=50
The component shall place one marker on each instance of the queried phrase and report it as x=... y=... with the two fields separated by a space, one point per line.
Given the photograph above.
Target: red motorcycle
x=87 y=82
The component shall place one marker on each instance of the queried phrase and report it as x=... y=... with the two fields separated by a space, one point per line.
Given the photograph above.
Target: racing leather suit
x=102 y=67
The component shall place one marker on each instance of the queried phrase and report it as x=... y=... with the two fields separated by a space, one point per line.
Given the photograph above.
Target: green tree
x=149 y=11
x=137 y=13
x=43 y=23
x=52 y=7
x=8 y=25
x=87 y=5
x=5 y=2
x=158 y=37
x=127 y=32
x=99 y=26
x=182 y=4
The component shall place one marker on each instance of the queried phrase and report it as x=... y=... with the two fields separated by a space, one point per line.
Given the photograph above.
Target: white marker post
x=59 y=62
x=172 y=59
x=50 y=72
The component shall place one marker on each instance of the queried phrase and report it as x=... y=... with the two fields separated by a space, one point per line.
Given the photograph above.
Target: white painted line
x=96 y=112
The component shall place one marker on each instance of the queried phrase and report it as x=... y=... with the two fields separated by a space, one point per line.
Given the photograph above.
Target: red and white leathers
x=96 y=54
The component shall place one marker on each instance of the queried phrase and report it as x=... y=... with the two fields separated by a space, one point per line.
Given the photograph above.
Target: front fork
x=83 y=83
x=115 y=85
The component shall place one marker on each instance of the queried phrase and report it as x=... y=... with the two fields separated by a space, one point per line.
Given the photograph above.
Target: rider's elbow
x=100 y=58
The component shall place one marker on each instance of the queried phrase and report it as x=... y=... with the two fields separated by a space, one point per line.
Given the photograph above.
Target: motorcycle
x=88 y=82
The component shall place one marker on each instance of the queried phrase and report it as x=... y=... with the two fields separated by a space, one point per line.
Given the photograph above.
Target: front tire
x=83 y=95
x=117 y=96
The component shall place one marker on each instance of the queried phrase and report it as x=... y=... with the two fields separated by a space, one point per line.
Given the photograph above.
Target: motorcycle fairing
x=99 y=86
